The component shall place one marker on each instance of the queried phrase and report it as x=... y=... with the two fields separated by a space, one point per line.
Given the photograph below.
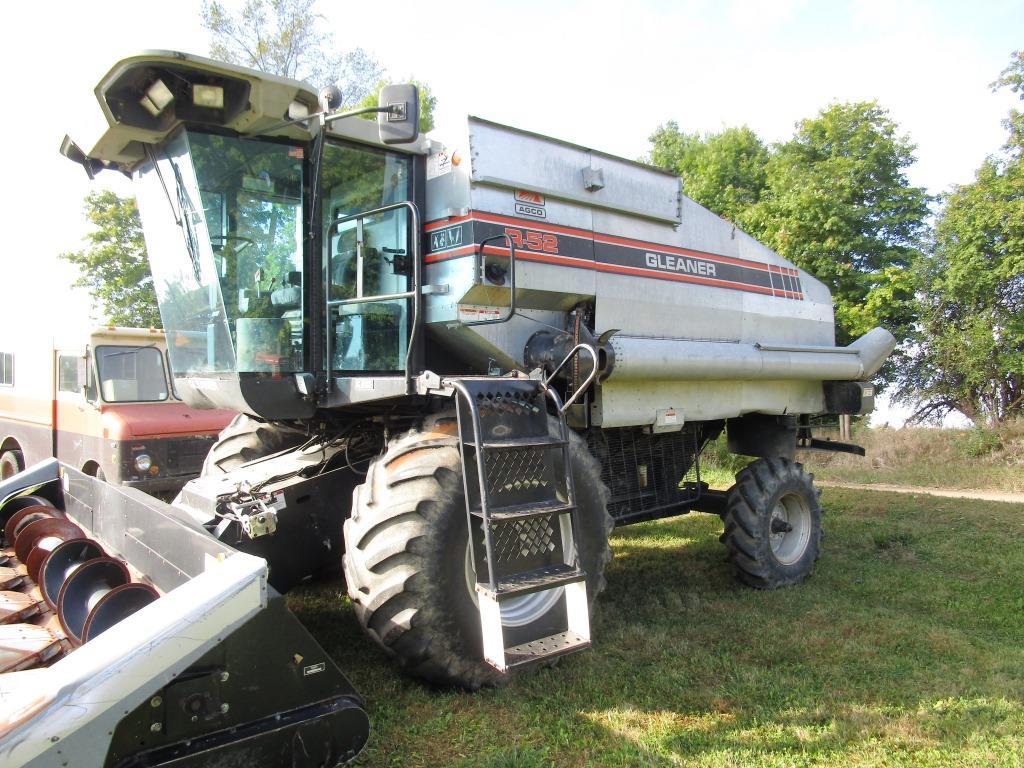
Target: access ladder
x=521 y=507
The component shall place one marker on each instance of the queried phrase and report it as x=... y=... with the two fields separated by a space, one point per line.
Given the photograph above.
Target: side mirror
x=400 y=124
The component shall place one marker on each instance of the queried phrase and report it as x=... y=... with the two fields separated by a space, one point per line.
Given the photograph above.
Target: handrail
x=416 y=294
x=463 y=392
x=511 y=277
x=583 y=387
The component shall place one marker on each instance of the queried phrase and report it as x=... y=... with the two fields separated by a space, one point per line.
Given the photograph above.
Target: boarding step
x=544 y=649
x=524 y=511
x=574 y=637
x=514 y=444
x=528 y=582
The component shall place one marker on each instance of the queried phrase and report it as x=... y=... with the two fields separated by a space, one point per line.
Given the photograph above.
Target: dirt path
x=949 y=493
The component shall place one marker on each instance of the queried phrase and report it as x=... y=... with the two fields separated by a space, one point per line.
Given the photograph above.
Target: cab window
x=370 y=336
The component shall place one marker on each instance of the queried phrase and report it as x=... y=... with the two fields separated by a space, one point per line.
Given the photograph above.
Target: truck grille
x=185 y=456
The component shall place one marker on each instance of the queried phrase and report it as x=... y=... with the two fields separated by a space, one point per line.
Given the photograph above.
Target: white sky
x=602 y=73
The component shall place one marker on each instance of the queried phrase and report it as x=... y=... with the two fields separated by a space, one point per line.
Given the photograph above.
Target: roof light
x=209 y=96
x=298 y=111
x=157 y=97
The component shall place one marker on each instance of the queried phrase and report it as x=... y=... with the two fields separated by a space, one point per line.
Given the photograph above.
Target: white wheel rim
x=519 y=611
x=789 y=546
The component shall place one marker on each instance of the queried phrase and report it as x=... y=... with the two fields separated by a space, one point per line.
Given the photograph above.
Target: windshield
x=224 y=221
x=231 y=299
x=131 y=374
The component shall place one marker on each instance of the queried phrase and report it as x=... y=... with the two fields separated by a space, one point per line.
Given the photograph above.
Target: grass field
x=906 y=648
x=976 y=459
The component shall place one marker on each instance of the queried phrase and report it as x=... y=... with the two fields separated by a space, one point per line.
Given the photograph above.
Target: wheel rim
x=790 y=532
x=519 y=611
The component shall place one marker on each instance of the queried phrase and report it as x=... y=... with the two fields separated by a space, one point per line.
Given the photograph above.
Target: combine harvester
x=462 y=365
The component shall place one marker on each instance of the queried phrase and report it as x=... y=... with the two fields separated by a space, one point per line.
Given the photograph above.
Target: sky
x=600 y=73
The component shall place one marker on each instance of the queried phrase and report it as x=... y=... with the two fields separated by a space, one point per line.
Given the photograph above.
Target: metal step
x=527 y=582
x=544 y=649
x=524 y=511
x=521 y=497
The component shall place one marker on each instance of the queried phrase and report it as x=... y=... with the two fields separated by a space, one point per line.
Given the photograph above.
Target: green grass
x=959 y=475
x=968 y=459
x=906 y=648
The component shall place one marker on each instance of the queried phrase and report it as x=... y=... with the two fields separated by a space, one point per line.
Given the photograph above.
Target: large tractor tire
x=11 y=463
x=773 y=523
x=407 y=562
x=247 y=439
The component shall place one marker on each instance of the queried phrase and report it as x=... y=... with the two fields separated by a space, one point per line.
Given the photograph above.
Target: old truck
x=461 y=365
x=101 y=401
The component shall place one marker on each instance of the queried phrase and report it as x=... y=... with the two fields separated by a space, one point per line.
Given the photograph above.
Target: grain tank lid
x=147 y=97
x=512 y=158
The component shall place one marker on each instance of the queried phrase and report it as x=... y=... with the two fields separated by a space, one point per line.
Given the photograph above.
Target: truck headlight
x=143 y=462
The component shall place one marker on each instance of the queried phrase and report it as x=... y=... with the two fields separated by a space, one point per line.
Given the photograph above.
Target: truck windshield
x=230 y=291
x=131 y=374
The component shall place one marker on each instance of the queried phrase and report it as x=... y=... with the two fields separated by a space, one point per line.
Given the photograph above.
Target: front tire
x=405 y=555
x=773 y=524
x=11 y=463
x=247 y=439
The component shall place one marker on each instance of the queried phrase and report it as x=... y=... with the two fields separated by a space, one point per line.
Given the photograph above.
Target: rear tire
x=405 y=554
x=773 y=524
x=11 y=463
x=247 y=439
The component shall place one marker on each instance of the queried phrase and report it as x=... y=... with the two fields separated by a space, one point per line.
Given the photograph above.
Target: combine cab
x=460 y=365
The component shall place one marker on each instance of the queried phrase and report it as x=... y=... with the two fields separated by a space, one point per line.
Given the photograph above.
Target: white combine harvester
x=462 y=365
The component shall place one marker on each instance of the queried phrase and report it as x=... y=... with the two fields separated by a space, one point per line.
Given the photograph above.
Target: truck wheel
x=406 y=561
x=773 y=523
x=11 y=463
x=247 y=439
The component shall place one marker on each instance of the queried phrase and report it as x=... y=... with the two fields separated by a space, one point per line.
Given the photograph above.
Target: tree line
x=945 y=274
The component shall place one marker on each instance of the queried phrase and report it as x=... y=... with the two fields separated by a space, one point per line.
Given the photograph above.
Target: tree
x=834 y=199
x=113 y=266
x=725 y=172
x=287 y=38
x=969 y=355
x=838 y=204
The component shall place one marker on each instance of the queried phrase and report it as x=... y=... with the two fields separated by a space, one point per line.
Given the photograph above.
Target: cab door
x=372 y=265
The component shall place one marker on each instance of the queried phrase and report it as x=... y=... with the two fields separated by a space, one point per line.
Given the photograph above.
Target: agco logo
x=530 y=204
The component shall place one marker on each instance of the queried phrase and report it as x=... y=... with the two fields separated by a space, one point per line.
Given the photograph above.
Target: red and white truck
x=102 y=401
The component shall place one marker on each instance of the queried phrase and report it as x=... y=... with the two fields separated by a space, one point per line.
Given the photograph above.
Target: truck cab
x=112 y=410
